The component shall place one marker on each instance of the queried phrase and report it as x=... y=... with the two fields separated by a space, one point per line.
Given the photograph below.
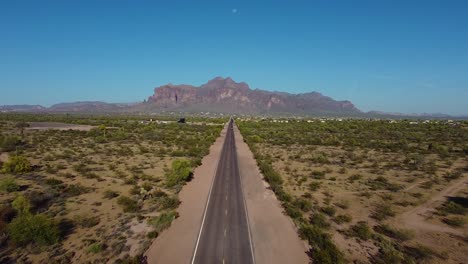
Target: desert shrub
x=398 y=234
x=340 y=219
x=9 y=143
x=163 y=221
x=320 y=158
x=343 y=204
x=451 y=207
x=271 y=176
x=388 y=253
x=75 y=189
x=40 y=229
x=360 y=230
x=86 y=221
x=419 y=253
x=21 y=204
x=323 y=249
x=96 y=248
x=152 y=234
x=302 y=204
x=318 y=175
x=168 y=202
x=314 y=186
x=329 y=210
x=319 y=220
x=382 y=212
x=381 y=183
x=292 y=211
x=53 y=181
x=455 y=221
x=9 y=184
x=354 y=177
x=7 y=213
x=128 y=204
x=16 y=165
x=180 y=173
x=109 y=194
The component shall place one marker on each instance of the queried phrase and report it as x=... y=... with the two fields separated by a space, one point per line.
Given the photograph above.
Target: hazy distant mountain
x=21 y=108
x=99 y=107
x=227 y=96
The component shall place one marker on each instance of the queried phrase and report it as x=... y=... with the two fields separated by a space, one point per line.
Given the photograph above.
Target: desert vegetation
x=368 y=191
x=93 y=195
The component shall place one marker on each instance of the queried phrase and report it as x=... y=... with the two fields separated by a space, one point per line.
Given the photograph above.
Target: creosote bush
x=128 y=204
x=27 y=228
x=16 y=165
x=179 y=173
x=9 y=184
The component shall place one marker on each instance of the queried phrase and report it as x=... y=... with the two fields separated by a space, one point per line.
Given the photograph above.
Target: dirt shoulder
x=274 y=236
x=176 y=244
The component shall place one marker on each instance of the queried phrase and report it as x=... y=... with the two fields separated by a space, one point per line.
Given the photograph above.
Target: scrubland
x=369 y=191
x=93 y=195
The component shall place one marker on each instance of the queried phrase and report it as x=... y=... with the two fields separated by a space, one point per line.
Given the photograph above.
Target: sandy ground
x=176 y=244
x=274 y=236
x=57 y=126
x=415 y=218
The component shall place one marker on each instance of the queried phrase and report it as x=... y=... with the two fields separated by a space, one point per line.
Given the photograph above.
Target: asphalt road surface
x=224 y=234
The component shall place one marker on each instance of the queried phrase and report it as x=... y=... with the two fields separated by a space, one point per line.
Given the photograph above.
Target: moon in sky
x=234 y=10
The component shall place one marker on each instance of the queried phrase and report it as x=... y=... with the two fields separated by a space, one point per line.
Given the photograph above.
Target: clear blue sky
x=397 y=56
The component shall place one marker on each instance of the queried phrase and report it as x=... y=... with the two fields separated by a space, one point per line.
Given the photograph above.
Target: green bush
x=323 y=249
x=9 y=184
x=340 y=219
x=360 y=230
x=419 y=253
x=109 y=194
x=9 y=143
x=329 y=210
x=398 y=234
x=16 y=165
x=39 y=229
x=314 y=186
x=96 y=248
x=382 y=212
x=452 y=208
x=180 y=173
x=21 y=204
x=168 y=202
x=163 y=221
x=128 y=204
x=302 y=204
x=319 y=220
x=454 y=221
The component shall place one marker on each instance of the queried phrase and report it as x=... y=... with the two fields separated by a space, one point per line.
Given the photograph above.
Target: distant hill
x=21 y=108
x=227 y=96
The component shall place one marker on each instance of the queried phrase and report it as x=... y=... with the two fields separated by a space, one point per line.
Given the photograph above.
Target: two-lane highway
x=224 y=235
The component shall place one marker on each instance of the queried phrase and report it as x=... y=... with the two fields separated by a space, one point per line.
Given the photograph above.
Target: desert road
x=224 y=235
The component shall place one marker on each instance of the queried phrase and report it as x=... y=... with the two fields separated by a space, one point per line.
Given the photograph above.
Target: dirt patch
x=274 y=236
x=415 y=218
x=58 y=126
x=176 y=244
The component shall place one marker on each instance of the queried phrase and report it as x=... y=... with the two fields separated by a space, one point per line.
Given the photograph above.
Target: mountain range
x=219 y=95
